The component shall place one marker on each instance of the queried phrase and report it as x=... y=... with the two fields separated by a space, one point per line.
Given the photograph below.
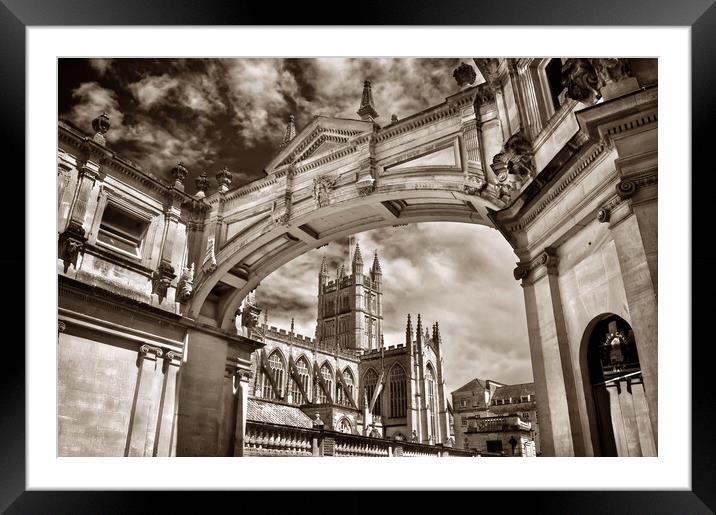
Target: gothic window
x=302 y=369
x=398 y=391
x=330 y=329
x=327 y=375
x=344 y=426
x=370 y=382
x=278 y=370
x=121 y=230
x=350 y=383
x=345 y=303
x=431 y=400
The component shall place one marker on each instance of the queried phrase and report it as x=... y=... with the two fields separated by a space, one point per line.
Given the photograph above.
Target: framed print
x=429 y=242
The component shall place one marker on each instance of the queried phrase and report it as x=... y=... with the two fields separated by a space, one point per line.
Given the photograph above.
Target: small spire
x=292 y=326
x=357 y=261
x=367 y=111
x=324 y=268
x=436 y=333
x=290 y=132
x=376 y=265
x=409 y=332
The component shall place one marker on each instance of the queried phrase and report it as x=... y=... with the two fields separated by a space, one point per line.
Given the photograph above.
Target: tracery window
x=431 y=400
x=341 y=396
x=344 y=426
x=327 y=375
x=398 y=391
x=302 y=369
x=370 y=382
x=278 y=371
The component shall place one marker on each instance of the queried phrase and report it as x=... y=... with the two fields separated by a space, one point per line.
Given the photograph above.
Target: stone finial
x=179 y=173
x=357 y=259
x=465 y=75
x=409 y=332
x=290 y=132
x=394 y=118
x=224 y=179
x=202 y=184
x=100 y=125
x=367 y=111
x=324 y=268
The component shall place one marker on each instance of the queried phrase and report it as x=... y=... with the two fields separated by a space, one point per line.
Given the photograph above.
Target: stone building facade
x=559 y=155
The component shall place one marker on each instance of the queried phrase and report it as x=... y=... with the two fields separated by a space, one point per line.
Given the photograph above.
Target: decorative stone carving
x=61 y=326
x=474 y=185
x=393 y=118
x=321 y=190
x=611 y=70
x=202 y=184
x=162 y=279
x=547 y=259
x=625 y=188
x=515 y=164
x=603 y=215
x=71 y=244
x=185 y=286
x=223 y=177
x=484 y=95
x=209 y=263
x=101 y=126
x=250 y=313
x=281 y=211
x=489 y=69
x=464 y=75
x=179 y=173
x=366 y=186
x=580 y=79
x=168 y=358
x=147 y=349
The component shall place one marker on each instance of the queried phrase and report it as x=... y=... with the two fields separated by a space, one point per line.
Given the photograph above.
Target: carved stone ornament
x=515 y=163
x=488 y=67
x=100 y=125
x=179 y=173
x=485 y=94
x=223 y=177
x=611 y=70
x=61 y=326
x=185 y=286
x=625 y=188
x=474 y=185
x=281 y=212
x=150 y=349
x=603 y=215
x=580 y=79
x=464 y=75
x=547 y=259
x=71 y=244
x=321 y=190
x=366 y=186
x=202 y=184
x=162 y=279
x=209 y=263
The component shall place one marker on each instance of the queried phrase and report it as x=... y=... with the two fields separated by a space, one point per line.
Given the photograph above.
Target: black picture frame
x=700 y=15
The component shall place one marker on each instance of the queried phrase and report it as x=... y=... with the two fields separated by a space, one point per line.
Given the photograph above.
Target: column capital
x=146 y=349
x=545 y=263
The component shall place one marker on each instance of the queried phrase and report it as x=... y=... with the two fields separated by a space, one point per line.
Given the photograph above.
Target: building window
x=524 y=398
x=554 y=79
x=525 y=416
x=494 y=446
x=373 y=303
x=302 y=370
x=327 y=375
x=344 y=426
x=341 y=397
x=345 y=303
x=398 y=392
x=464 y=421
x=432 y=405
x=370 y=382
x=121 y=230
x=278 y=371
x=463 y=403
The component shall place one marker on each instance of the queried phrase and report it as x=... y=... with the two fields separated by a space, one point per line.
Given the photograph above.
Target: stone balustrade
x=264 y=439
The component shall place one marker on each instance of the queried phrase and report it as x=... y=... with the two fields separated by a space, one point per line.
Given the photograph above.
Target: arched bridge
x=338 y=177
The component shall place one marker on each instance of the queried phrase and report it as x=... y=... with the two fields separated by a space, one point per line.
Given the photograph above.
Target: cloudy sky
x=211 y=113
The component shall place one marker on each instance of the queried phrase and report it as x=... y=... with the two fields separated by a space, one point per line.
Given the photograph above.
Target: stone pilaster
x=560 y=426
x=145 y=410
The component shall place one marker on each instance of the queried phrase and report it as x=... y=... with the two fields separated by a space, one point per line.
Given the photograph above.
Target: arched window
x=302 y=369
x=348 y=380
x=327 y=375
x=398 y=391
x=431 y=401
x=370 y=382
x=344 y=426
x=278 y=370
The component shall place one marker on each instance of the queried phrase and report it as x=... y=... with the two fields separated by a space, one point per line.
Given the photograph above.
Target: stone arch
x=616 y=406
x=344 y=425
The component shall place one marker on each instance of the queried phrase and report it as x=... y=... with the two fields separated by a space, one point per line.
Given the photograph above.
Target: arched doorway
x=614 y=390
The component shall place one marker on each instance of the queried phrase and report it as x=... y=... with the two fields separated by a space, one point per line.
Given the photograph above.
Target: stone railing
x=496 y=424
x=264 y=439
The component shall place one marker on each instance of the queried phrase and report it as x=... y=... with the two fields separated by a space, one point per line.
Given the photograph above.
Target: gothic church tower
x=350 y=307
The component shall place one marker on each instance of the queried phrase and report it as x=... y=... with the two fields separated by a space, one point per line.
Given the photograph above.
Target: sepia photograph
x=450 y=257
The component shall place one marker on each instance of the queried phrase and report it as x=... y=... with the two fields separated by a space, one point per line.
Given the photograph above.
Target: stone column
x=241 y=392
x=145 y=409
x=165 y=438
x=560 y=426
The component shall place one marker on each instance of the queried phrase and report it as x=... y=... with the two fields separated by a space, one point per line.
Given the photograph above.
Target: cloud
x=150 y=90
x=91 y=100
x=102 y=66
